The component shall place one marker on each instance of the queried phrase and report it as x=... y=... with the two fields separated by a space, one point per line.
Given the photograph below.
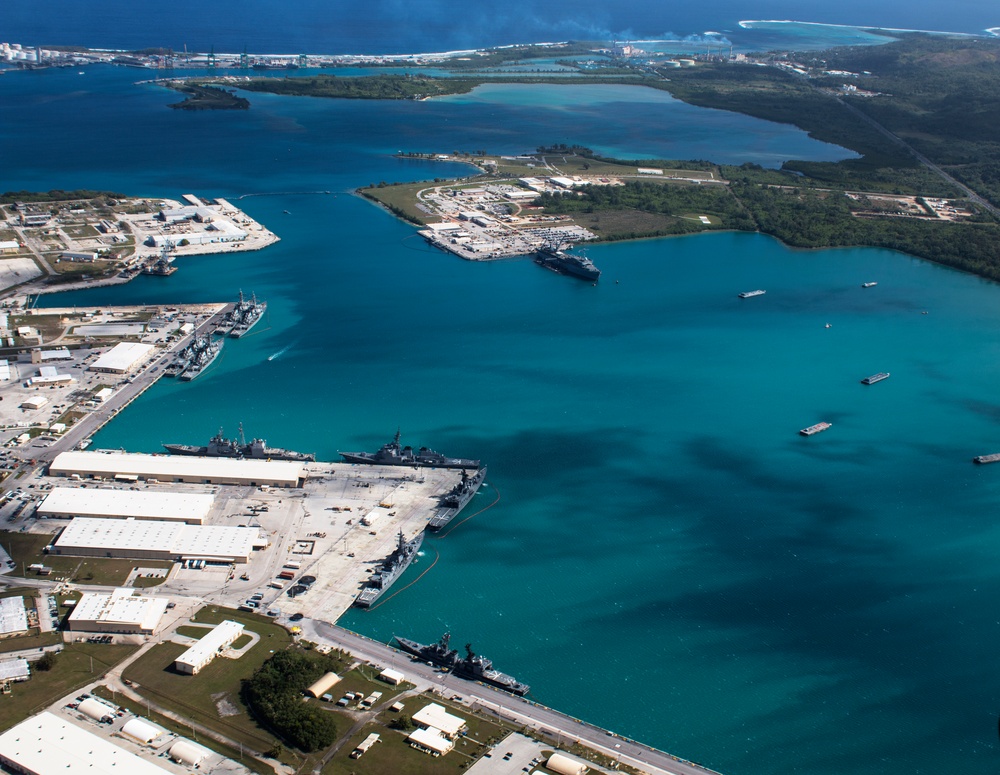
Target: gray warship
x=456 y=500
x=552 y=257
x=393 y=454
x=478 y=668
x=220 y=446
x=204 y=351
x=390 y=569
x=244 y=315
x=439 y=654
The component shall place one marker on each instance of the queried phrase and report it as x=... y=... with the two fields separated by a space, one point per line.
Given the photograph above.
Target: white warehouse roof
x=148 y=538
x=89 y=502
x=123 y=357
x=283 y=473
x=13 y=617
x=120 y=608
x=95 y=709
x=47 y=744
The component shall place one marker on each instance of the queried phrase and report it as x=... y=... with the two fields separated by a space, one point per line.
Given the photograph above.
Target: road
x=972 y=195
x=505 y=706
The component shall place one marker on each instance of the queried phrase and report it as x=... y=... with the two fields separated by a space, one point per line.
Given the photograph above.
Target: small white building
x=365 y=744
x=208 y=648
x=391 y=676
x=35 y=402
x=562 y=764
x=9 y=246
x=123 y=358
x=430 y=741
x=119 y=612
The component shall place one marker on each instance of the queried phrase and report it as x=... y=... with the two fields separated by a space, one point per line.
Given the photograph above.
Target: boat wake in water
x=282 y=351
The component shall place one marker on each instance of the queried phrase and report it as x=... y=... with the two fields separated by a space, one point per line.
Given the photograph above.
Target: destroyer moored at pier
x=439 y=654
x=220 y=446
x=393 y=454
x=390 y=569
x=472 y=667
x=456 y=500
x=203 y=352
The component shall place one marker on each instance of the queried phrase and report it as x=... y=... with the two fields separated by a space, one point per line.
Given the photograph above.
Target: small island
x=205 y=97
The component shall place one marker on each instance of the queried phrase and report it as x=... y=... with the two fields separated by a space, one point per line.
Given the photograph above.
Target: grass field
x=76 y=666
x=185 y=731
x=192 y=632
x=32 y=640
x=212 y=697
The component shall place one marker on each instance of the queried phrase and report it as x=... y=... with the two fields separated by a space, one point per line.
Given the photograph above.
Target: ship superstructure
x=203 y=350
x=390 y=569
x=393 y=454
x=456 y=500
x=220 y=446
x=478 y=668
x=552 y=257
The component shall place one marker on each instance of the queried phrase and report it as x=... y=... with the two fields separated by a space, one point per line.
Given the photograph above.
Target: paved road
x=505 y=706
x=921 y=158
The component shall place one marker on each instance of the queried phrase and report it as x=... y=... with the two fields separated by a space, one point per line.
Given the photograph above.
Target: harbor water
x=668 y=558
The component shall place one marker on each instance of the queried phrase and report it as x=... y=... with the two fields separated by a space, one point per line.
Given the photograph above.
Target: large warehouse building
x=123 y=358
x=157 y=540
x=46 y=744
x=178 y=468
x=65 y=502
x=120 y=612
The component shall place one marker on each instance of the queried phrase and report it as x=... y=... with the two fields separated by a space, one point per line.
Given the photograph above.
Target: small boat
x=751 y=294
x=875 y=378
x=868 y=285
x=812 y=430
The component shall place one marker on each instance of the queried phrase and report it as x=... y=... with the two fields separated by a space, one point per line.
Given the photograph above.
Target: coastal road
x=505 y=706
x=972 y=195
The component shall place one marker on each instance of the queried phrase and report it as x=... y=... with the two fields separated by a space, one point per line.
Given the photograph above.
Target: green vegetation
x=78 y=665
x=202 y=97
x=193 y=632
x=274 y=694
x=33 y=639
x=56 y=195
x=376 y=87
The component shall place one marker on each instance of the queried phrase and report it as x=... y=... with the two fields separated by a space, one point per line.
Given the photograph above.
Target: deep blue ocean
x=668 y=558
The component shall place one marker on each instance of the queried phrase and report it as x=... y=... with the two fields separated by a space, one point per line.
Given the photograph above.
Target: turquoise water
x=669 y=558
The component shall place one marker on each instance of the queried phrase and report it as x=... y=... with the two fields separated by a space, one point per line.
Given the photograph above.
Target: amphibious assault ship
x=389 y=570
x=552 y=257
x=392 y=454
x=478 y=668
x=220 y=446
x=456 y=500
x=438 y=654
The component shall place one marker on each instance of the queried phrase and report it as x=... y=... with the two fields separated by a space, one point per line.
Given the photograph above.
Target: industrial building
x=123 y=358
x=47 y=743
x=66 y=502
x=435 y=717
x=187 y=753
x=14 y=670
x=120 y=612
x=208 y=648
x=142 y=730
x=157 y=540
x=13 y=617
x=178 y=468
x=430 y=741
x=391 y=676
x=565 y=765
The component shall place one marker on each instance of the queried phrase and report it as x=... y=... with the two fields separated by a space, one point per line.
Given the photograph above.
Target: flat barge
x=875 y=378
x=812 y=430
x=751 y=294
x=994 y=458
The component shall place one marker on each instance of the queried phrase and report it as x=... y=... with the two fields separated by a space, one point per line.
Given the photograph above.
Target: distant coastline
x=748 y=24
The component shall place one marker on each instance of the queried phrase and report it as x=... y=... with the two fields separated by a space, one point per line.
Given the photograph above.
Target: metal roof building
x=186 y=752
x=122 y=358
x=323 y=685
x=208 y=648
x=119 y=612
x=148 y=539
x=46 y=744
x=179 y=468
x=437 y=718
x=14 y=670
x=62 y=502
x=13 y=617
x=142 y=730
x=430 y=741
